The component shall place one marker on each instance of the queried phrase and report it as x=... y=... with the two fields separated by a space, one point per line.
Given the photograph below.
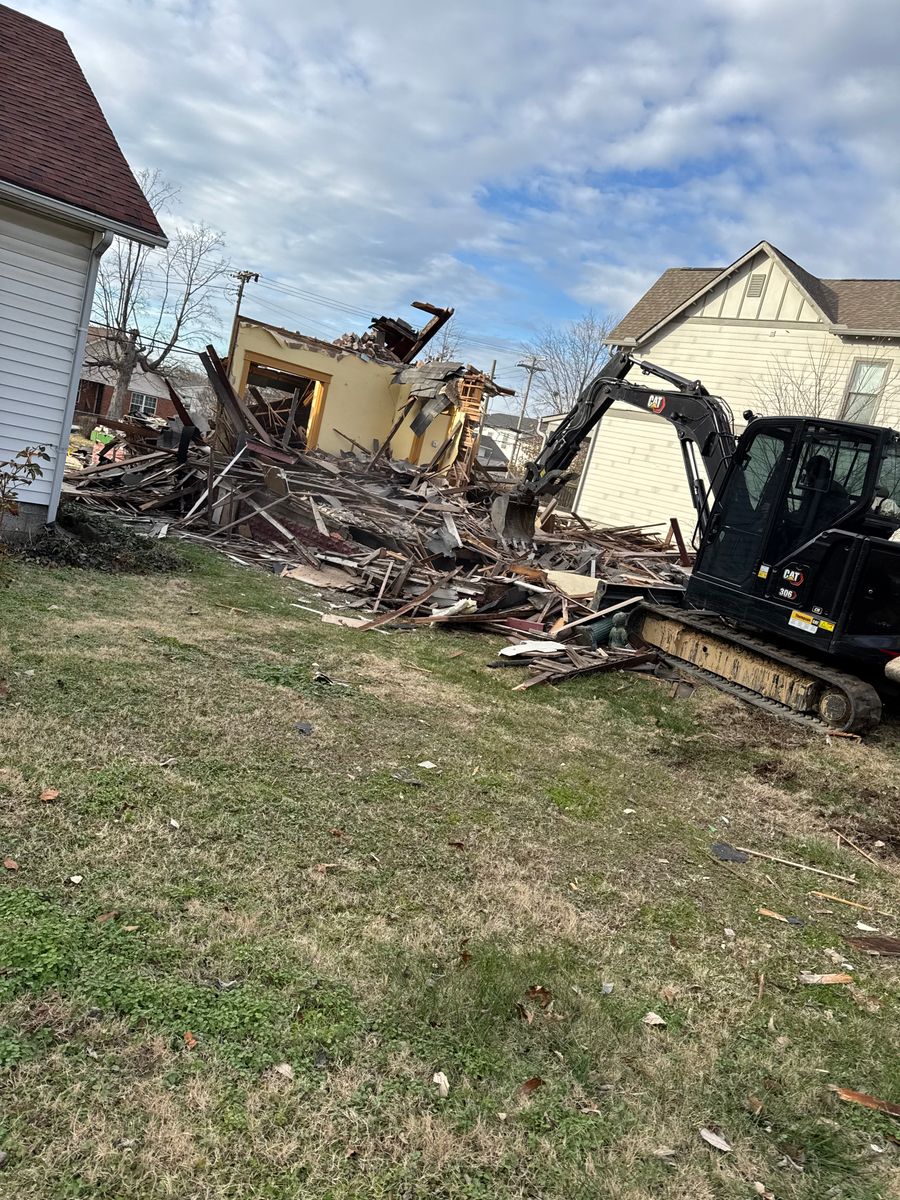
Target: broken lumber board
x=609 y=664
x=854 y=904
x=352 y=441
x=386 y=618
x=122 y=464
x=384 y=583
x=603 y=612
x=223 y=388
x=262 y=511
x=385 y=445
x=337 y=619
x=683 y=555
x=215 y=483
x=787 y=862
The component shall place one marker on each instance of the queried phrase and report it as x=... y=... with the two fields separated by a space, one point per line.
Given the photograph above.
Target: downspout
x=101 y=245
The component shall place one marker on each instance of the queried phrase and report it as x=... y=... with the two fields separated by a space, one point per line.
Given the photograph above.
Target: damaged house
x=147 y=396
x=362 y=392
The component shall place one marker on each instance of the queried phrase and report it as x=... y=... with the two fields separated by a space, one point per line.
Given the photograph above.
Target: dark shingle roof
x=501 y=420
x=871 y=304
x=669 y=292
x=866 y=303
x=54 y=139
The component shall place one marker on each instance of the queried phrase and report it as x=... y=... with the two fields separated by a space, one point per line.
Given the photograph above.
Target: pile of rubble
x=400 y=541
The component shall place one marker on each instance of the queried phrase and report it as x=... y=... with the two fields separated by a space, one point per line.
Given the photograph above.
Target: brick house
x=148 y=395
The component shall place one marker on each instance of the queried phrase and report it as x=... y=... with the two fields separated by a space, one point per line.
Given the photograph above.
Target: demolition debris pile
x=397 y=540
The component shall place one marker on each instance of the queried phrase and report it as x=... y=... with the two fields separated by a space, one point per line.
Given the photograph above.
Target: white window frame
x=139 y=405
x=875 y=397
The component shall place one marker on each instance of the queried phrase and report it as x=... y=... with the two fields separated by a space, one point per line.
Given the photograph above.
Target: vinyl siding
x=738 y=347
x=634 y=474
x=43 y=274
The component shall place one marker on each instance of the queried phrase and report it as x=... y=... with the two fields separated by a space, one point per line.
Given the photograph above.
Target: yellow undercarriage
x=734 y=664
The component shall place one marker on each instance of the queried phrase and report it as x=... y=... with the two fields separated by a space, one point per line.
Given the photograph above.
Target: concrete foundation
x=25 y=523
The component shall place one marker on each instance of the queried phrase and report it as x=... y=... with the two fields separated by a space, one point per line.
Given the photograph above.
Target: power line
x=327 y=301
x=498 y=346
x=292 y=314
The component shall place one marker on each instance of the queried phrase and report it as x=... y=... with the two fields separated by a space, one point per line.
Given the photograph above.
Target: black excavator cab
x=796 y=521
x=798 y=541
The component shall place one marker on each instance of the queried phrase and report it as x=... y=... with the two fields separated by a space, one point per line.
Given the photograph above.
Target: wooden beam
x=386 y=618
x=610 y=664
x=291 y=418
x=439 y=319
x=683 y=555
x=385 y=445
x=218 y=377
x=595 y=616
x=183 y=415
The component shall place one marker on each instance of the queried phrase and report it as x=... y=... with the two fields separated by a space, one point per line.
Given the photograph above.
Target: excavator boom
x=703 y=423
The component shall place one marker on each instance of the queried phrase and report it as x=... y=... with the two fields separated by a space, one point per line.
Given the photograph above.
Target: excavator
x=793 y=603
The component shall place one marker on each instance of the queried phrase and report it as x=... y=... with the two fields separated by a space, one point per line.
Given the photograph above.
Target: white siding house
x=45 y=286
x=763 y=334
x=65 y=191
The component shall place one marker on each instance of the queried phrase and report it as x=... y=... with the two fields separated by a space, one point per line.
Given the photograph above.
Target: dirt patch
x=81 y=538
x=389 y=679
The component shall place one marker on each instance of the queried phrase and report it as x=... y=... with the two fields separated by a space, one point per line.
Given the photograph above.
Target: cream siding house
x=767 y=337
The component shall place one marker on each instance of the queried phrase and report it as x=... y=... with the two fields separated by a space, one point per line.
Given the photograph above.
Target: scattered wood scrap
x=787 y=862
x=405 y=543
x=851 y=1097
x=876 y=944
x=583 y=663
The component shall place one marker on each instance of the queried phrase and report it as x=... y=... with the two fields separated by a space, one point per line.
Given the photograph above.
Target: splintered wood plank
x=386 y=618
x=610 y=664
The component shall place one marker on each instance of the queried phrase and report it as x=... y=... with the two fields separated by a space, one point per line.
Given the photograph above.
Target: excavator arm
x=703 y=423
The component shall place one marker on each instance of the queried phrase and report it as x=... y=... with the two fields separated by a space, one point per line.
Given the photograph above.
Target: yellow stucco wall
x=359 y=397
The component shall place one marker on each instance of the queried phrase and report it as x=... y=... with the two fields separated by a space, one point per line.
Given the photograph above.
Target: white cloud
x=514 y=159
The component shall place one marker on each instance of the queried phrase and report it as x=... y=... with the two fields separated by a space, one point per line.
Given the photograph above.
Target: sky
x=519 y=160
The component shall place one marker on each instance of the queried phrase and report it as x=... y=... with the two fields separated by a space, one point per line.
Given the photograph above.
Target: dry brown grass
x=412 y=955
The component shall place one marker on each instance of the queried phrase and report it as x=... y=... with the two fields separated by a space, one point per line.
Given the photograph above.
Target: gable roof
x=54 y=139
x=502 y=420
x=858 y=304
x=148 y=383
x=670 y=291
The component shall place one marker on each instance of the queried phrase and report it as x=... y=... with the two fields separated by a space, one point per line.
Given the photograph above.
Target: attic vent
x=756 y=285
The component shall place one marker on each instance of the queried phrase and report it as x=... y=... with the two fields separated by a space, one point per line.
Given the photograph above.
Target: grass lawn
x=279 y=938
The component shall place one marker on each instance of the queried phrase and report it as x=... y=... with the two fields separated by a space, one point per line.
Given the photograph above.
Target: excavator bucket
x=514 y=519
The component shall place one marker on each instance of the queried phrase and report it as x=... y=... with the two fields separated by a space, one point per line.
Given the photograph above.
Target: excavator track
x=759 y=672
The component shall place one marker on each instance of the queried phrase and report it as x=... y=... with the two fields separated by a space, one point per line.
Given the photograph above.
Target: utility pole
x=531 y=366
x=243 y=278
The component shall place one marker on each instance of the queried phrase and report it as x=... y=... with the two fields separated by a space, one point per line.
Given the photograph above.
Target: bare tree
x=571 y=355
x=150 y=300
x=446 y=346
x=816 y=383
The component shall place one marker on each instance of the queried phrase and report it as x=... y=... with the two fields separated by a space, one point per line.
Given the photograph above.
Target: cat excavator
x=793 y=603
